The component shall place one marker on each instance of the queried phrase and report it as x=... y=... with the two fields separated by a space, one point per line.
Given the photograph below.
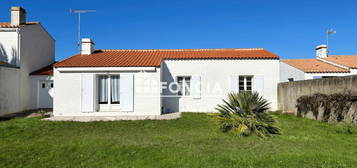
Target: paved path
x=170 y=116
x=24 y=114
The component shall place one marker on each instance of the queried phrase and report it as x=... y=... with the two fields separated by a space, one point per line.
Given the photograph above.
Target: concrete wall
x=215 y=81
x=67 y=94
x=35 y=49
x=289 y=92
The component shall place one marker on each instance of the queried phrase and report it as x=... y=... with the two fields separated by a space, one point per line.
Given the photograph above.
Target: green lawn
x=192 y=141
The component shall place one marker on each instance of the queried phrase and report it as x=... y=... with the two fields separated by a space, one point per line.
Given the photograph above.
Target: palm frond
x=245 y=113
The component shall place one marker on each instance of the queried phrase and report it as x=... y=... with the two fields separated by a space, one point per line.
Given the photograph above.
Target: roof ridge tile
x=154 y=57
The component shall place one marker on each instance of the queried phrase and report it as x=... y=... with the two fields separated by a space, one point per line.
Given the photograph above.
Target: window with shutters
x=108 y=92
x=184 y=85
x=245 y=83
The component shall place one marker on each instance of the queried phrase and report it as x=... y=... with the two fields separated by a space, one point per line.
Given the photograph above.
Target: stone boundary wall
x=289 y=92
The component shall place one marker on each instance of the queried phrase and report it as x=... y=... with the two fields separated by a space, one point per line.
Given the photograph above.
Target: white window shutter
x=127 y=92
x=87 y=95
x=258 y=84
x=196 y=87
x=234 y=83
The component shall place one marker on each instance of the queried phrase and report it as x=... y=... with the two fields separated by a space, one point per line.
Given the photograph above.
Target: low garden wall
x=320 y=97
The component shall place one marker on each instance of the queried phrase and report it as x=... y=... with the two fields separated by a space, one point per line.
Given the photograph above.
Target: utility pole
x=79 y=12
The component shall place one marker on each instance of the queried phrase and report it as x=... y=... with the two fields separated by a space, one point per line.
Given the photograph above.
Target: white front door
x=45 y=94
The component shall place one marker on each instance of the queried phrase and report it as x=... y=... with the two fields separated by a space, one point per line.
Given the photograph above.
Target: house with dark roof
x=323 y=66
x=25 y=47
x=152 y=82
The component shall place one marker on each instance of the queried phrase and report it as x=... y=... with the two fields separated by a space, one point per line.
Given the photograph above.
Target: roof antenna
x=329 y=32
x=79 y=12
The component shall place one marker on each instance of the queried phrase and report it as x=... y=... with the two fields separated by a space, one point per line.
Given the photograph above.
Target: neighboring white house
x=153 y=82
x=25 y=47
x=323 y=66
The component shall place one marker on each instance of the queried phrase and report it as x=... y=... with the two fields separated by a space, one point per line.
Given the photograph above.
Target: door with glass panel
x=108 y=92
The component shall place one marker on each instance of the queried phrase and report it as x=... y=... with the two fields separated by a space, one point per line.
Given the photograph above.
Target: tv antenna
x=329 y=33
x=79 y=12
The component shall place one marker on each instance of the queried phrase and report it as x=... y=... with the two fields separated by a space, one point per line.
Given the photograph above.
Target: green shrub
x=245 y=114
x=328 y=108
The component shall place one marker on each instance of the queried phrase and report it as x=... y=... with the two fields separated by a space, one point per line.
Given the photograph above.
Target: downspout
x=18 y=47
x=18 y=62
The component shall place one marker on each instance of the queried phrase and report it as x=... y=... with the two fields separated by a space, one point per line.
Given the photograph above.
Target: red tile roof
x=313 y=66
x=8 y=24
x=148 y=58
x=345 y=60
x=47 y=70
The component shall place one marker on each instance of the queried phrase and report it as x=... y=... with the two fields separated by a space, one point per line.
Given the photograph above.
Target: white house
x=323 y=66
x=153 y=82
x=25 y=47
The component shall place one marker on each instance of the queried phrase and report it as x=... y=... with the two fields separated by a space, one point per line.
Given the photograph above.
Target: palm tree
x=245 y=113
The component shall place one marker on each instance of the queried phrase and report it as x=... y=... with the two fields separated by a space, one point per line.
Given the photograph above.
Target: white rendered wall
x=36 y=50
x=287 y=71
x=9 y=46
x=34 y=88
x=215 y=76
x=67 y=94
x=312 y=75
x=353 y=71
x=9 y=90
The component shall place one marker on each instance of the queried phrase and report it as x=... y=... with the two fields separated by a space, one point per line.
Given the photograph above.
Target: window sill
x=184 y=96
x=113 y=111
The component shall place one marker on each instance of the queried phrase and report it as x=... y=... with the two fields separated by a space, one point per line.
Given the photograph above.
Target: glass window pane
x=187 y=85
x=249 y=78
x=241 y=83
x=249 y=83
x=103 y=89
x=180 y=87
x=115 y=85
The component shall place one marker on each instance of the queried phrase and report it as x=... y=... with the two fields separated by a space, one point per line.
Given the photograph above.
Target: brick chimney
x=321 y=51
x=18 y=16
x=87 y=46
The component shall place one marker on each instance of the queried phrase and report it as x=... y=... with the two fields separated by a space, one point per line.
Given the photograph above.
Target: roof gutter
x=104 y=69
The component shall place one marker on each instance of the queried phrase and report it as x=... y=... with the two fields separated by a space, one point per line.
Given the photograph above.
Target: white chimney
x=321 y=51
x=87 y=46
x=18 y=16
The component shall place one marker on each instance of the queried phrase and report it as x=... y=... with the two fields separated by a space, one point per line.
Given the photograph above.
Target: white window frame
x=183 y=92
x=245 y=82
x=109 y=106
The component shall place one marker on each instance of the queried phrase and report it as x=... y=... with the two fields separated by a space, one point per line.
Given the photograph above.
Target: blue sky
x=290 y=29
